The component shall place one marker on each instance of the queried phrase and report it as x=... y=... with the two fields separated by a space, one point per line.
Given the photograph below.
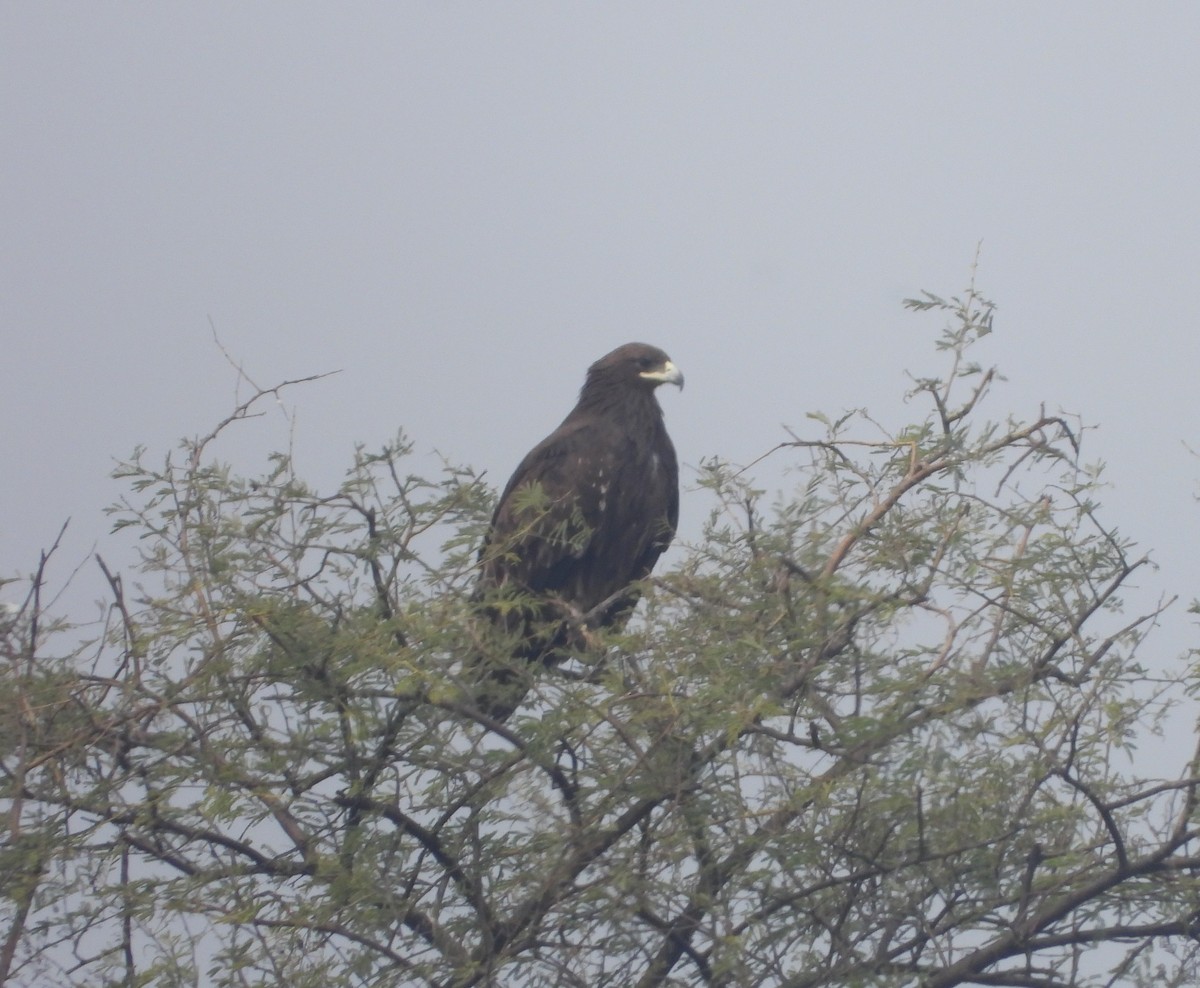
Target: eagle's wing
x=547 y=515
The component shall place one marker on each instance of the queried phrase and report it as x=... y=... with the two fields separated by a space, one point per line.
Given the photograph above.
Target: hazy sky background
x=461 y=205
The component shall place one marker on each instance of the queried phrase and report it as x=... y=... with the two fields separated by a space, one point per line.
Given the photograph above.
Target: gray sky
x=461 y=205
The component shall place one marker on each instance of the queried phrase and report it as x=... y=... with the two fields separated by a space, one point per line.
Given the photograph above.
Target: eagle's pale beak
x=667 y=374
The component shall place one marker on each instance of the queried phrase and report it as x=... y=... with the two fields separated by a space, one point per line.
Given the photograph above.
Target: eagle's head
x=636 y=364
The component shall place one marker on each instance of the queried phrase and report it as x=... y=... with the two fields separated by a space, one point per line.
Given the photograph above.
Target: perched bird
x=586 y=514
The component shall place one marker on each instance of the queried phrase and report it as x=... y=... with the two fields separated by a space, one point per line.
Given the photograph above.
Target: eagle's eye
x=645 y=363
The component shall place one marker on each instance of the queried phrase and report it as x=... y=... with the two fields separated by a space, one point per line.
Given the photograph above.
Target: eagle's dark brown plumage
x=586 y=514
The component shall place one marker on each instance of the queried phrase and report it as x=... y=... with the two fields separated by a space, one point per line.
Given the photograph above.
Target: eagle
x=584 y=517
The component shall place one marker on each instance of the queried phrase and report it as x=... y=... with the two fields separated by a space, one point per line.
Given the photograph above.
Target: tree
x=878 y=732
